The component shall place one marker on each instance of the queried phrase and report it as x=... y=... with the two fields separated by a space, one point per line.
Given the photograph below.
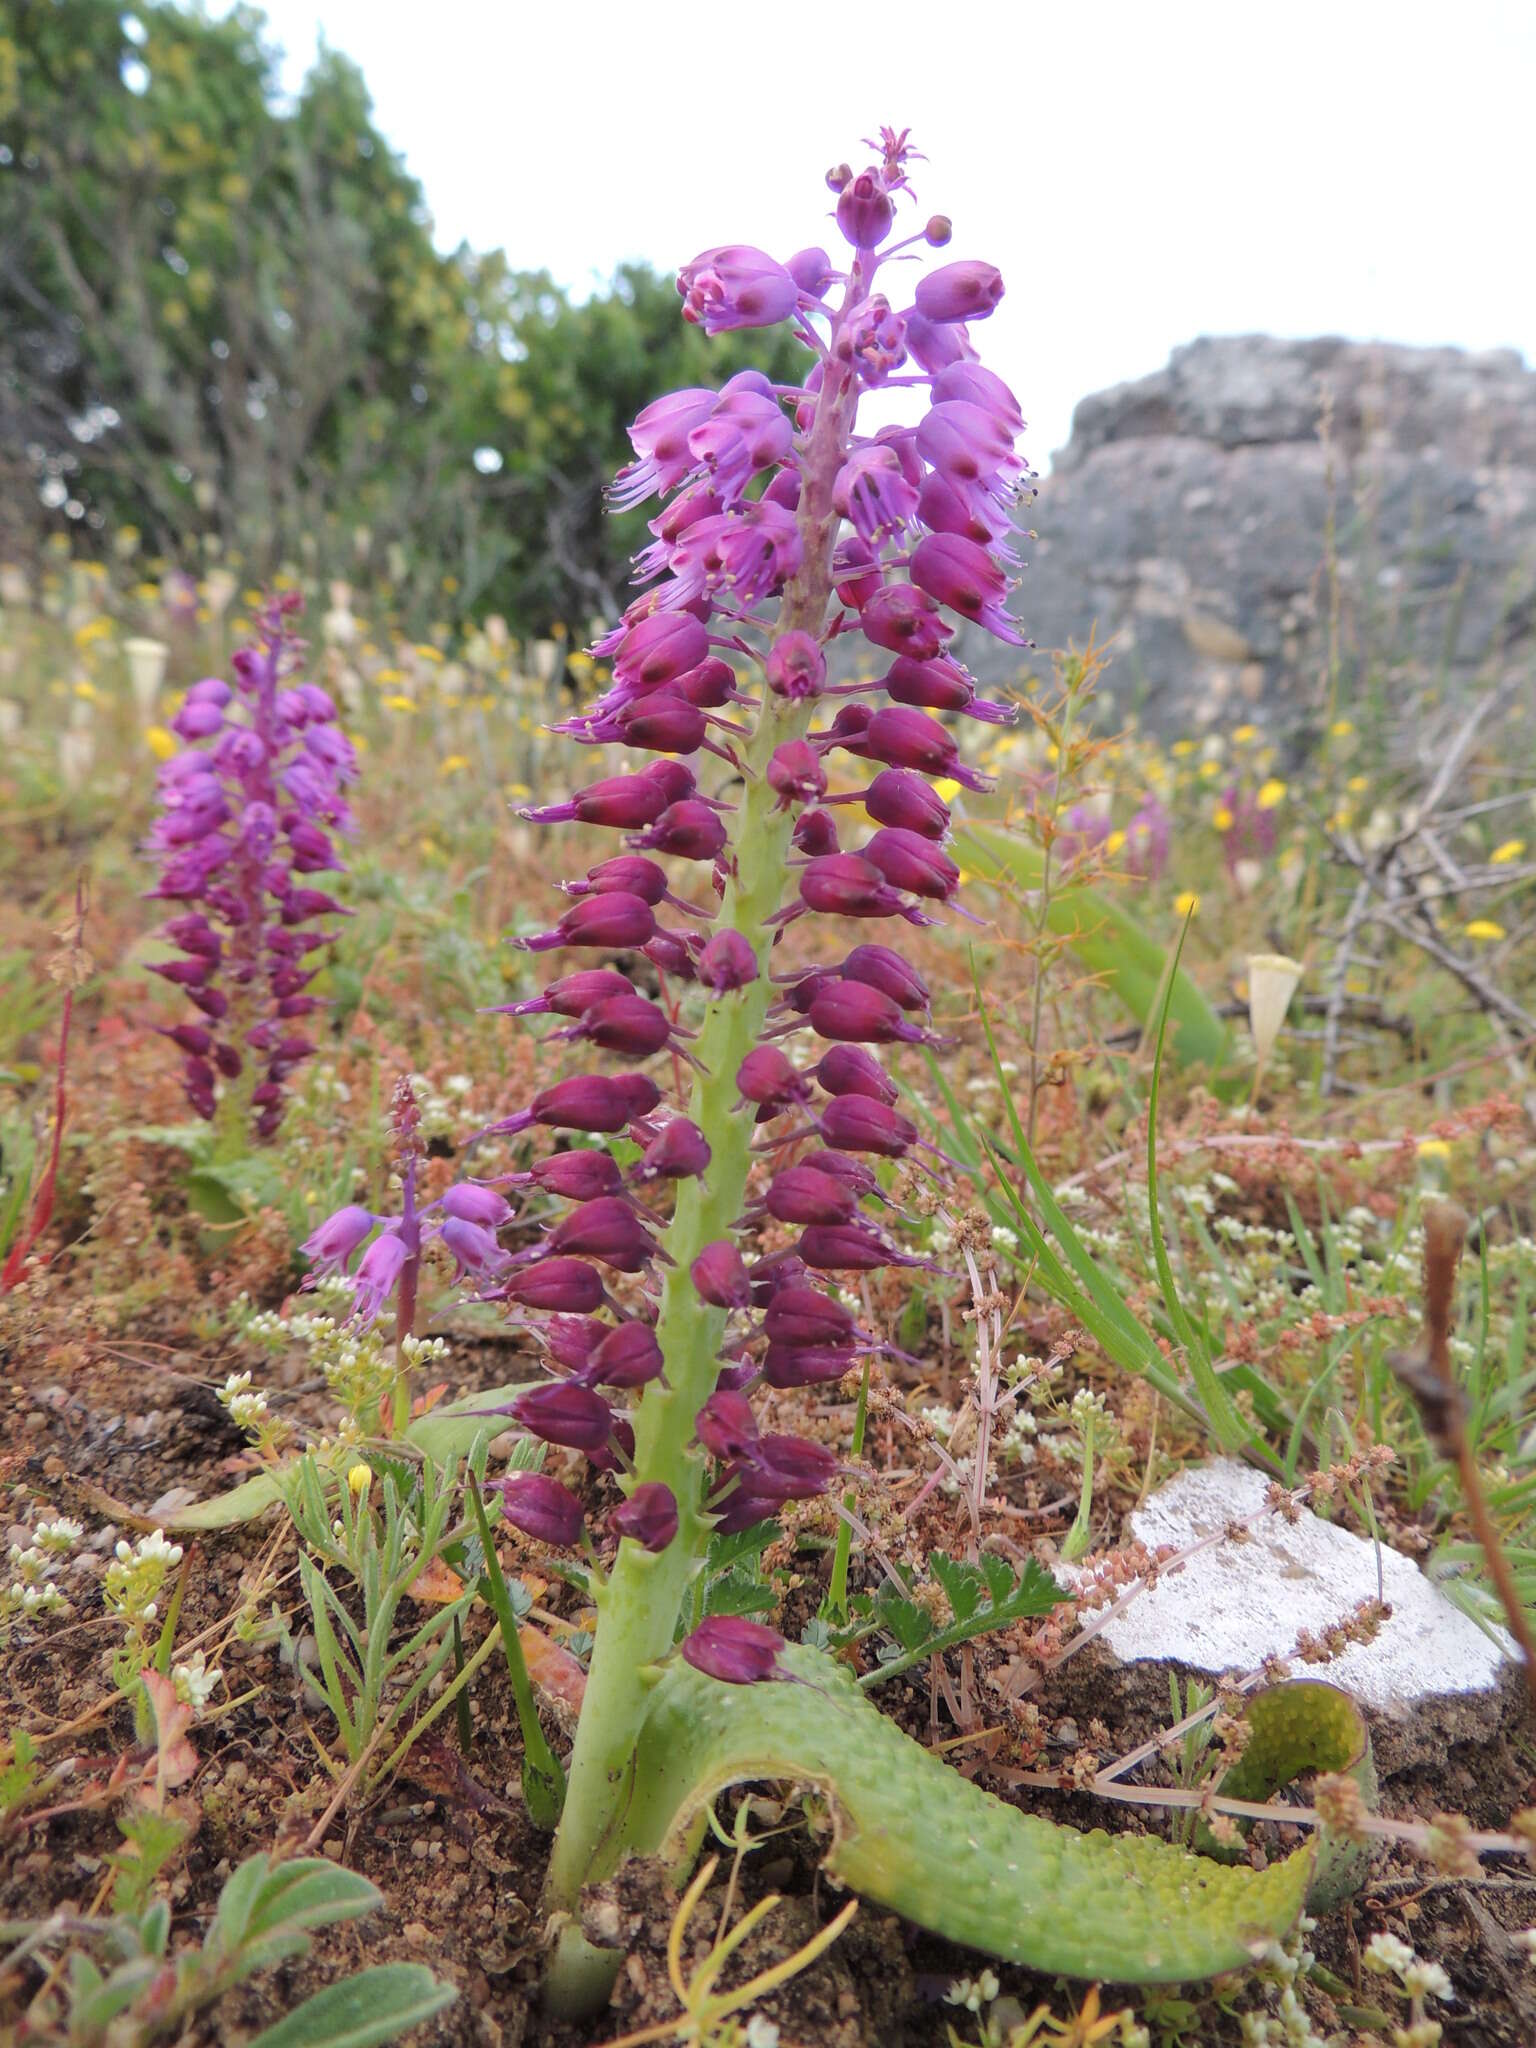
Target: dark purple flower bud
x=474 y=1248
x=766 y=1077
x=854 y=1013
x=911 y=739
x=736 y=286
x=905 y=620
x=578 y=1176
x=738 y=1508
x=624 y=1024
x=859 y=1123
x=778 y=1270
x=194 y=934
x=210 y=690
x=965 y=577
x=675 y=780
x=625 y=800
x=689 y=830
x=796 y=667
x=945 y=506
x=791 y=1467
x=856 y=572
x=727 y=963
x=662 y=724
x=620 y=921
x=625 y=874
x=806 y=1365
x=849 y=1248
x=571 y=1340
x=302 y=904
x=815 y=834
x=719 y=1277
x=337 y=1238
x=804 y=1315
x=864 y=210
x=680 y=1151
x=312 y=850
x=587 y=1102
x=733 y=1649
x=191 y=1038
x=606 y=1229
x=648 y=1517
x=542 y=1508
x=573 y=993
x=959 y=291
x=659 y=648
x=708 y=687
x=796 y=773
x=725 y=1425
x=910 y=862
x=618 y=1451
x=847 y=885
x=850 y=1070
x=886 y=970
x=569 y=1286
x=672 y=952
x=800 y=1195
x=188 y=974
x=812 y=271
x=565 y=1414
x=629 y=1356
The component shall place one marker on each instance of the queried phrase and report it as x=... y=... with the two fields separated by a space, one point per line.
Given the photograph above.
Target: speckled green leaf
x=1306 y=1726
x=912 y=1834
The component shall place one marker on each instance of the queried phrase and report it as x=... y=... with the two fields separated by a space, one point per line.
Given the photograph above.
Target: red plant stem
x=42 y=1201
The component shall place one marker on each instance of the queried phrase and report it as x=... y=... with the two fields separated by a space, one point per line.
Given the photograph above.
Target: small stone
x=421 y=1849
x=416 y=1934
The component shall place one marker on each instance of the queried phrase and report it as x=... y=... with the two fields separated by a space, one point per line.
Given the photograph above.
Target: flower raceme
x=248 y=813
x=781 y=528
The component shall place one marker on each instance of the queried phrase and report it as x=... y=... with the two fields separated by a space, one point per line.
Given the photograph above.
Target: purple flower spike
x=906 y=621
x=377 y=1272
x=568 y=1415
x=864 y=210
x=790 y=1467
x=720 y=1277
x=910 y=862
x=629 y=1025
x=786 y=1366
x=804 y=1315
x=586 y=1102
x=648 y=1517
x=476 y=1253
x=733 y=1649
x=620 y=922
x=629 y=801
x=542 y=1508
x=847 y=1248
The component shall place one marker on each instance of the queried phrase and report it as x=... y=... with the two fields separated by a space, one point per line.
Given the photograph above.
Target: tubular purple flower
x=660 y=648
x=904 y=799
x=910 y=862
x=337 y=1238
x=874 y=495
x=607 y=1229
x=572 y=994
x=850 y=1248
x=934 y=346
x=725 y=1425
x=660 y=440
x=620 y=922
x=736 y=286
x=568 y=1286
x=910 y=739
x=541 y=1507
x=689 y=830
x=966 y=578
x=861 y=1123
x=628 y=1025
x=472 y=1203
x=847 y=885
x=801 y=1194
x=734 y=1650
x=766 y=1077
x=883 y=968
x=981 y=387
x=788 y=1467
x=812 y=271
x=873 y=339
x=850 y=1070
x=648 y=1517
x=787 y=1366
x=959 y=291
x=853 y=1013
x=967 y=444
x=864 y=211
x=815 y=834
x=474 y=1248
x=627 y=801
x=628 y=1356
x=579 y=1176
x=377 y=1272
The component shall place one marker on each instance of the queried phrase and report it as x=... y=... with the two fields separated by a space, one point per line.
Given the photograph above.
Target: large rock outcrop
x=1187 y=518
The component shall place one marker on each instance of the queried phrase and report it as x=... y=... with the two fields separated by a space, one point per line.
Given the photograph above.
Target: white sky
x=1141 y=173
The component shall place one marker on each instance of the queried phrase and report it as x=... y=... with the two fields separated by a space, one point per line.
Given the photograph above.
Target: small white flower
x=1386 y=1956
x=61 y=1534
x=194 y=1682
x=762 y=2032
x=1426 y=1980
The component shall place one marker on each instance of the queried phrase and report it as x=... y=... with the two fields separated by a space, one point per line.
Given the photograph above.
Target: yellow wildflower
x=1270 y=794
x=360 y=1478
x=1114 y=842
x=1483 y=928
x=1341 y=728
x=1510 y=850
x=1434 y=1148
x=161 y=744
x=1358 y=784
x=1222 y=818
x=453 y=764
x=1186 y=903
x=399 y=703
x=1181 y=748
x=1209 y=770
x=1245 y=736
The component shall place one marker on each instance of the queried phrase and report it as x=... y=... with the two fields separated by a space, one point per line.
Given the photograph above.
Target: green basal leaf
x=451 y=1429
x=375 y=2006
x=915 y=1836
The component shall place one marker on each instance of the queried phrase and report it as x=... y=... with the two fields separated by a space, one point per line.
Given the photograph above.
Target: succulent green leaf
x=913 y=1835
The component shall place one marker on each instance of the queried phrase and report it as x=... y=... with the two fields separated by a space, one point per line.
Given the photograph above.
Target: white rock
x=1236 y=1604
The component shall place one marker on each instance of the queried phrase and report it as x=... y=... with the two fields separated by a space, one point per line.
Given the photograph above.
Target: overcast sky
x=1141 y=173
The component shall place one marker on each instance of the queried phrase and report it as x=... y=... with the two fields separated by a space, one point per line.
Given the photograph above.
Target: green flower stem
x=837 y=1592
x=638 y=1608
x=543 y=1779
x=1077 y=1537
